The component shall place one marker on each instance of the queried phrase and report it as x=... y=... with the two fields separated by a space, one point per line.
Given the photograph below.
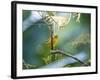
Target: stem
x=52 y=47
x=52 y=38
x=63 y=53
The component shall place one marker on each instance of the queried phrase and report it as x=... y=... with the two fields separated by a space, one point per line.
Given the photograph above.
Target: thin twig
x=52 y=38
x=63 y=53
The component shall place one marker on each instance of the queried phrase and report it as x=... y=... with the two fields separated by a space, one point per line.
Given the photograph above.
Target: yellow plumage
x=54 y=39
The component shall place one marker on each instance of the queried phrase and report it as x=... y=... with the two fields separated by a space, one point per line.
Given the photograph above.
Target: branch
x=63 y=53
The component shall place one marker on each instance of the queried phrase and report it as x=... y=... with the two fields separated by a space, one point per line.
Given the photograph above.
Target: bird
x=54 y=41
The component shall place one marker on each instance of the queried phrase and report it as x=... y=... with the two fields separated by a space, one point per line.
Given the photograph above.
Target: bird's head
x=56 y=36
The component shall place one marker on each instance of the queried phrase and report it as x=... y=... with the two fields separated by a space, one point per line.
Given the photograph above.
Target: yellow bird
x=54 y=40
